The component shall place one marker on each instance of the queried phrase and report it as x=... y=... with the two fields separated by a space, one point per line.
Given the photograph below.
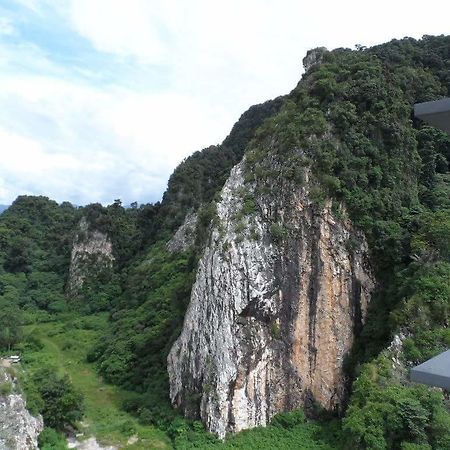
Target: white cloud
x=116 y=141
x=189 y=70
x=123 y=28
x=6 y=27
x=244 y=50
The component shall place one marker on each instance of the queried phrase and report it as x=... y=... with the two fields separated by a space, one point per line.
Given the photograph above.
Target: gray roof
x=434 y=372
x=436 y=113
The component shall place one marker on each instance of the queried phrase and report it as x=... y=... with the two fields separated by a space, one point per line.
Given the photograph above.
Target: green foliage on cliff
x=50 y=439
x=385 y=414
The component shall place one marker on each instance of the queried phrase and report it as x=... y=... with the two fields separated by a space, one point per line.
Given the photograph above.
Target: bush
x=384 y=414
x=278 y=232
x=5 y=388
x=289 y=419
x=51 y=439
x=62 y=405
x=33 y=343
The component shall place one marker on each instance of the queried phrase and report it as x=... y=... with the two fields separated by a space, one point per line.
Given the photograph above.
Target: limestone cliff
x=184 y=237
x=92 y=252
x=19 y=430
x=279 y=296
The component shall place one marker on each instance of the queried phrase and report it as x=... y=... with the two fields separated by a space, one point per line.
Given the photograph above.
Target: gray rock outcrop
x=184 y=237
x=19 y=430
x=313 y=57
x=92 y=252
x=279 y=297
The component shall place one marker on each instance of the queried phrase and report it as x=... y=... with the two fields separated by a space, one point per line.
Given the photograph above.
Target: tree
x=63 y=405
x=10 y=325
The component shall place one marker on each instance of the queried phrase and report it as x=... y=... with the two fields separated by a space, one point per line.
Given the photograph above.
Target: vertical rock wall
x=273 y=312
x=92 y=252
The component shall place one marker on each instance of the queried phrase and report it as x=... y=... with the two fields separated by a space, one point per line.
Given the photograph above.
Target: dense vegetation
x=350 y=122
x=145 y=323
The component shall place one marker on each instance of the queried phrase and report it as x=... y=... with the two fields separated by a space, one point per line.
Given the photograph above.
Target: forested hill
x=348 y=125
x=199 y=177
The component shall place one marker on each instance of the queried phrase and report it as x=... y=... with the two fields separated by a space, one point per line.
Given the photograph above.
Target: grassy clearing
x=65 y=343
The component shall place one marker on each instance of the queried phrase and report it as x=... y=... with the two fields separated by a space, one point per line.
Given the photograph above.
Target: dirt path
x=88 y=444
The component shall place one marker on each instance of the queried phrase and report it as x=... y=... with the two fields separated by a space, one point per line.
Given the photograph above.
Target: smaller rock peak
x=313 y=57
x=184 y=237
x=92 y=253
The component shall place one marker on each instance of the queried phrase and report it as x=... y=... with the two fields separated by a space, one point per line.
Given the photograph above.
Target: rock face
x=19 y=430
x=313 y=57
x=278 y=299
x=184 y=237
x=92 y=252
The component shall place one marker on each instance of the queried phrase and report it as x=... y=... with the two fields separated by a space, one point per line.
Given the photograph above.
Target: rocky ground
x=19 y=430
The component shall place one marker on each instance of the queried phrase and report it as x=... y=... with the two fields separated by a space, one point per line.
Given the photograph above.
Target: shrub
x=249 y=205
x=275 y=330
x=278 y=232
x=240 y=227
x=62 y=405
x=6 y=388
x=50 y=439
x=289 y=419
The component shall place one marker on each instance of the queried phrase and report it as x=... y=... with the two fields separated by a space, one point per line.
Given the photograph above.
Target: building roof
x=435 y=113
x=434 y=372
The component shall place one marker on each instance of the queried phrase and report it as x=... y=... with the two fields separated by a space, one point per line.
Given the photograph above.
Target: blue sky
x=101 y=99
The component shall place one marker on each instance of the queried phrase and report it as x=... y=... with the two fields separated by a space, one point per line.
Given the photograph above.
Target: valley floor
x=65 y=345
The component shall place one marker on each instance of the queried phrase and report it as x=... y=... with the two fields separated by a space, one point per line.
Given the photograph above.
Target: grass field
x=65 y=343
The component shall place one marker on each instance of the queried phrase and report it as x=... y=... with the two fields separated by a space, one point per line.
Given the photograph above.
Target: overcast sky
x=101 y=99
